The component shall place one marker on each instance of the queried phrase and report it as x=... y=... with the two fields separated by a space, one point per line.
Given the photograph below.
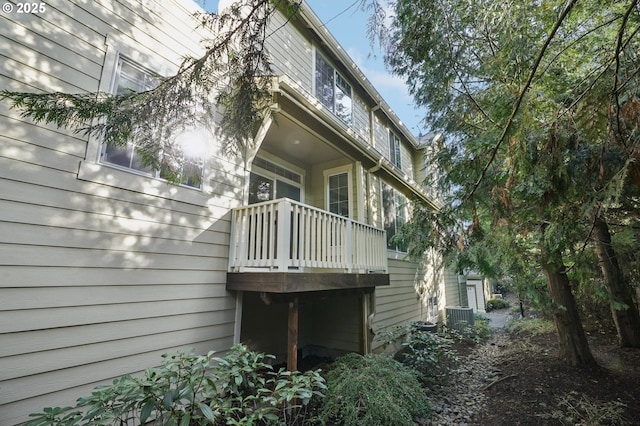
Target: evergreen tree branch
x=523 y=91
x=618 y=50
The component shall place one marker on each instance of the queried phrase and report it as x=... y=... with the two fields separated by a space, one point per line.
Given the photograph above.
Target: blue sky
x=348 y=26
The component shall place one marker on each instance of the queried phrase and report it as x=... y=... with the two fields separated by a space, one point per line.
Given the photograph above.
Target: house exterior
x=105 y=266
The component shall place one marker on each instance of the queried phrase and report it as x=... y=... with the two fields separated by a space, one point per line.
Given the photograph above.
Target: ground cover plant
x=495 y=304
x=373 y=390
x=481 y=326
x=429 y=354
x=576 y=408
x=240 y=388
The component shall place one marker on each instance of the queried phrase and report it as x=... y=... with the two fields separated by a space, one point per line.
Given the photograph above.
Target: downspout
x=369 y=305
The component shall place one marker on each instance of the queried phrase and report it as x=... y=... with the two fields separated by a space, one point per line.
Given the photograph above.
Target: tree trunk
x=626 y=318
x=571 y=335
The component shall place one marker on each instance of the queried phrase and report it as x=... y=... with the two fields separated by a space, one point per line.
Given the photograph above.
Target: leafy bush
x=429 y=354
x=481 y=325
x=531 y=327
x=372 y=390
x=493 y=304
x=187 y=389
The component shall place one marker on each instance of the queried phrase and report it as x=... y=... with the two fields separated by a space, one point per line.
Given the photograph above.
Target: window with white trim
x=129 y=77
x=333 y=90
x=338 y=199
x=395 y=153
x=394 y=206
x=269 y=181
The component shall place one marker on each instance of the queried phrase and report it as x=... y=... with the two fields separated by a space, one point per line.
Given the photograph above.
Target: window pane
x=129 y=79
x=394 y=206
x=120 y=155
x=125 y=156
x=278 y=170
x=260 y=189
x=339 y=194
x=394 y=150
x=189 y=173
x=401 y=218
x=192 y=173
x=286 y=190
x=344 y=105
x=388 y=207
x=324 y=82
x=133 y=79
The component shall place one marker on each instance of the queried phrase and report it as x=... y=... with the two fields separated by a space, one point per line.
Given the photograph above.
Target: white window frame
x=405 y=208
x=93 y=170
x=274 y=176
x=115 y=78
x=395 y=149
x=338 y=171
x=336 y=74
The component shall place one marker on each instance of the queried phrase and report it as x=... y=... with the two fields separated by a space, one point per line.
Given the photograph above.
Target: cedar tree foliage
x=538 y=103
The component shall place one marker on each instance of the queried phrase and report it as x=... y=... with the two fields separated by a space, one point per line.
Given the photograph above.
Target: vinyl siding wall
x=291 y=52
x=456 y=294
x=398 y=303
x=97 y=280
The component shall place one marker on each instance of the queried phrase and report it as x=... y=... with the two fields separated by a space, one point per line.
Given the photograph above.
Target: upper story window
x=394 y=150
x=394 y=206
x=333 y=90
x=132 y=77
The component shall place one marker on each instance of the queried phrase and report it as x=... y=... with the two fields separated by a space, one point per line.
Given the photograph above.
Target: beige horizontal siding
x=94 y=372
x=59 y=297
x=291 y=52
x=56 y=338
x=97 y=281
x=70 y=316
x=399 y=303
x=25 y=276
x=361 y=118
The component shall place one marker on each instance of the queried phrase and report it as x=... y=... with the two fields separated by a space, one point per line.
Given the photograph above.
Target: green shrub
x=531 y=326
x=481 y=325
x=493 y=304
x=429 y=354
x=240 y=388
x=372 y=390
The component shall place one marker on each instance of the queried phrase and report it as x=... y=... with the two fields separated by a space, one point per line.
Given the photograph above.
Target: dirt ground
x=533 y=385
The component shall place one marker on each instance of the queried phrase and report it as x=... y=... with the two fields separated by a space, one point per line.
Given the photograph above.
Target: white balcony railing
x=285 y=235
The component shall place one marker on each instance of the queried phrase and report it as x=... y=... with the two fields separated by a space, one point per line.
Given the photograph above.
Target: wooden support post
x=363 y=323
x=292 y=352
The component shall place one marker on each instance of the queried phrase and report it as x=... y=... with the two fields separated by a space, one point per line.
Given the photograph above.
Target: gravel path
x=459 y=401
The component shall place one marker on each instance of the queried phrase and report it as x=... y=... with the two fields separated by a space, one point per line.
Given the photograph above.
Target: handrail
x=286 y=235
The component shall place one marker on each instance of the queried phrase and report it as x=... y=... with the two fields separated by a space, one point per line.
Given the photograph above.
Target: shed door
x=472 y=297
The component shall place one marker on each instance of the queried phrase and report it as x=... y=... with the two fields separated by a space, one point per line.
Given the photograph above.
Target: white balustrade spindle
x=286 y=235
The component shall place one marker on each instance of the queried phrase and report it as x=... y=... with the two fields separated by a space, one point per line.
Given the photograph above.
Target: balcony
x=284 y=246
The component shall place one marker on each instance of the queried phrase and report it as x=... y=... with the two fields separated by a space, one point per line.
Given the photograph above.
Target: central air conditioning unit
x=460 y=318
